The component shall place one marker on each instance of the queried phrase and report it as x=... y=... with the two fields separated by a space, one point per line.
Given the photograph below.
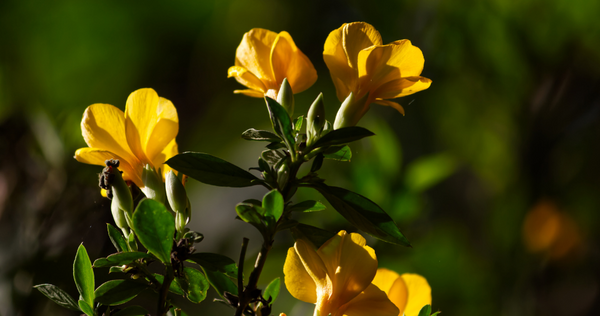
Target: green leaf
x=116 y=292
x=84 y=276
x=298 y=123
x=131 y=311
x=58 y=296
x=155 y=226
x=272 y=156
x=426 y=172
x=119 y=259
x=317 y=163
x=194 y=284
x=282 y=125
x=220 y=282
x=276 y=145
x=273 y=205
x=342 y=136
x=212 y=170
x=308 y=206
x=287 y=224
x=117 y=238
x=86 y=308
x=249 y=214
x=174 y=287
x=272 y=290
x=364 y=214
x=315 y=235
x=260 y=135
x=338 y=153
x=425 y=311
x=215 y=262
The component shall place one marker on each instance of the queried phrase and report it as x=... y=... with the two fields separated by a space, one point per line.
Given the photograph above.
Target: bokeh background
x=493 y=173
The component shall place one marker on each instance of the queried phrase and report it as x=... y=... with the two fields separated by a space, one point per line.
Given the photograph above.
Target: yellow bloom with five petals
x=360 y=64
x=264 y=58
x=409 y=292
x=337 y=277
x=142 y=135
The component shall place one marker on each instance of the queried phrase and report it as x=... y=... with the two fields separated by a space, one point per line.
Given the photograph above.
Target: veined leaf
x=260 y=135
x=58 y=296
x=308 y=206
x=282 y=124
x=155 y=226
x=342 y=153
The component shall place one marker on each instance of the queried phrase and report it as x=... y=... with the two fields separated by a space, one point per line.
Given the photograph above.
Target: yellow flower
x=409 y=292
x=144 y=134
x=264 y=58
x=337 y=277
x=360 y=64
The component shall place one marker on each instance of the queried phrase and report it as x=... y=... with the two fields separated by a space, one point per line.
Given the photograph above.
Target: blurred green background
x=493 y=173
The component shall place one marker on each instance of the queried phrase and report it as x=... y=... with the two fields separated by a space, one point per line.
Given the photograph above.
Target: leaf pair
x=264 y=216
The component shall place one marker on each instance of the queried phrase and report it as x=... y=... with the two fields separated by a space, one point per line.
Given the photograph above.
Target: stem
x=163 y=304
x=246 y=296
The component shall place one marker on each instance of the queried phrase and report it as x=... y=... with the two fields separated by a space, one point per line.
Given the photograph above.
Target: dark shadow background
x=492 y=174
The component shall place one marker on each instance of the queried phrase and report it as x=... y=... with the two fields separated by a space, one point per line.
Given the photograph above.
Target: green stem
x=163 y=304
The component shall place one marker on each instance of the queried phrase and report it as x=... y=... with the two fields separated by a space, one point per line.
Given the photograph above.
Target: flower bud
x=121 y=195
x=315 y=120
x=285 y=97
x=178 y=200
x=119 y=216
x=283 y=175
x=153 y=188
x=326 y=128
x=351 y=111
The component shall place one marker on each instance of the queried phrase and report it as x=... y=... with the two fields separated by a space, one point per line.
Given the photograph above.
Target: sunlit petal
x=393 y=104
x=246 y=78
x=96 y=156
x=298 y=282
x=384 y=279
x=254 y=53
x=289 y=62
x=419 y=293
x=371 y=302
x=313 y=264
x=356 y=37
x=165 y=130
x=159 y=160
x=141 y=116
x=250 y=93
x=402 y=87
x=343 y=76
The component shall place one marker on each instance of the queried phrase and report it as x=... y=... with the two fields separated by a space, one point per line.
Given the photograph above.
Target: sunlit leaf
x=272 y=290
x=155 y=227
x=83 y=274
x=117 y=238
x=260 y=135
x=308 y=206
x=119 y=259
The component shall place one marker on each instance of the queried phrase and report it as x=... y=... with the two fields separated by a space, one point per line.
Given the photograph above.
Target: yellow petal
x=159 y=160
x=140 y=119
x=398 y=294
x=419 y=293
x=248 y=79
x=96 y=156
x=254 y=54
x=344 y=78
x=289 y=62
x=356 y=37
x=164 y=132
x=103 y=127
x=313 y=264
x=371 y=302
x=393 y=104
x=350 y=263
x=250 y=93
x=384 y=279
x=402 y=87
x=297 y=280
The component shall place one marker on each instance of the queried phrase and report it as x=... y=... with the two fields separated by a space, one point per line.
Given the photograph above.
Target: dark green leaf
x=315 y=235
x=287 y=224
x=273 y=205
x=282 y=125
x=215 y=262
x=343 y=136
x=84 y=275
x=276 y=145
x=173 y=287
x=155 y=226
x=272 y=290
x=115 y=269
x=194 y=284
x=119 y=259
x=116 y=292
x=298 y=123
x=339 y=153
x=220 y=282
x=364 y=214
x=308 y=206
x=117 y=238
x=425 y=311
x=317 y=163
x=212 y=170
x=249 y=214
x=263 y=165
x=58 y=296
x=260 y=135
x=272 y=156
x=131 y=311
x=86 y=308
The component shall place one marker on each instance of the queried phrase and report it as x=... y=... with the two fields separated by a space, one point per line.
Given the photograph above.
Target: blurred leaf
x=260 y=135
x=272 y=156
x=83 y=274
x=317 y=163
x=364 y=214
x=86 y=308
x=343 y=136
x=336 y=153
x=315 y=235
x=194 y=284
x=131 y=311
x=215 y=262
x=174 y=287
x=119 y=259
x=117 y=238
x=155 y=226
x=220 y=282
x=426 y=172
x=273 y=205
x=58 y=296
x=298 y=123
x=272 y=290
x=212 y=170
x=308 y=206
x=426 y=311
x=282 y=125
x=116 y=292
